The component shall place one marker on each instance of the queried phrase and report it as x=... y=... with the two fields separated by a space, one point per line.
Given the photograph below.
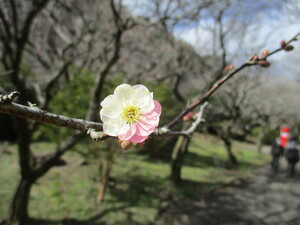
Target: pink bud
x=282 y=44
x=228 y=68
x=254 y=58
x=289 y=48
x=188 y=117
x=125 y=144
x=264 y=63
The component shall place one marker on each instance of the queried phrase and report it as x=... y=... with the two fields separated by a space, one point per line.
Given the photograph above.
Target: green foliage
x=270 y=136
x=255 y=132
x=73 y=100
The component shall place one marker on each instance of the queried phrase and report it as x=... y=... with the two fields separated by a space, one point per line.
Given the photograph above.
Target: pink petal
x=144 y=130
x=140 y=131
x=157 y=107
x=138 y=139
x=147 y=123
x=129 y=133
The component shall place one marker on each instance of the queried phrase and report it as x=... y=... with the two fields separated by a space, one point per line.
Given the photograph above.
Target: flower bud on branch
x=264 y=63
x=289 y=48
x=265 y=53
x=282 y=44
x=254 y=59
x=126 y=145
x=188 y=117
x=229 y=68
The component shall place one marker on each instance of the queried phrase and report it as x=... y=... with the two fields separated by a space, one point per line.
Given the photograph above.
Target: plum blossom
x=130 y=113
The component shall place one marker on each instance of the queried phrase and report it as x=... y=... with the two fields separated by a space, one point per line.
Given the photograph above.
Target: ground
x=264 y=199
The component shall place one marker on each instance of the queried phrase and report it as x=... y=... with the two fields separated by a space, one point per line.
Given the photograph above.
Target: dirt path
x=265 y=199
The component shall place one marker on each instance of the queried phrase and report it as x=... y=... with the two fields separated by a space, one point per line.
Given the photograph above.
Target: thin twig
x=219 y=83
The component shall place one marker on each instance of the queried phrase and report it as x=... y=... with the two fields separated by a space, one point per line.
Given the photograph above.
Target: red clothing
x=284 y=136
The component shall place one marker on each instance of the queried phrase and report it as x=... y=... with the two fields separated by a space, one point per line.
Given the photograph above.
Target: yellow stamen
x=131 y=114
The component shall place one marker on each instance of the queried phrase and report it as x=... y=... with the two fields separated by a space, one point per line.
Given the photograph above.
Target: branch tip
x=7 y=99
x=162 y=130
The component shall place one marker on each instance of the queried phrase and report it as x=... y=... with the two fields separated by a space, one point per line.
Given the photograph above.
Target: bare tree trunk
x=18 y=214
x=178 y=155
x=105 y=167
x=259 y=142
x=231 y=157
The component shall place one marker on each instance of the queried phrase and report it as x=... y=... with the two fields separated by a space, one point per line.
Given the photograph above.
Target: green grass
x=70 y=191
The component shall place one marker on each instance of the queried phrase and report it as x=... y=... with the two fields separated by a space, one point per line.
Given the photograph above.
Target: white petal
x=124 y=94
x=111 y=111
x=115 y=128
x=108 y=119
x=143 y=98
x=109 y=100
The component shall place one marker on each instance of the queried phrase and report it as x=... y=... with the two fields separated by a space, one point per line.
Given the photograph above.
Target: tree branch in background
x=252 y=62
x=5 y=23
x=22 y=41
x=121 y=27
x=14 y=16
x=175 y=89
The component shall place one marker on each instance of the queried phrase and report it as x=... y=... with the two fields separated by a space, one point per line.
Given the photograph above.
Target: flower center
x=131 y=114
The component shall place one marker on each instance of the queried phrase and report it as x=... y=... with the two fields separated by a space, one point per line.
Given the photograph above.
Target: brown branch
x=175 y=89
x=34 y=113
x=295 y=38
x=5 y=23
x=14 y=16
x=38 y=115
x=206 y=96
x=6 y=38
x=219 y=83
x=22 y=41
x=96 y=94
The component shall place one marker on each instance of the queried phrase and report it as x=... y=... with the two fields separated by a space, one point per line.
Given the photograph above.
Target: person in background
x=284 y=136
x=277 y=152
x=292 y=155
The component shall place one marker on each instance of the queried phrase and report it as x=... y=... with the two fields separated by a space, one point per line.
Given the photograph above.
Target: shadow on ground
x=265 y=199
x=94 y=220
